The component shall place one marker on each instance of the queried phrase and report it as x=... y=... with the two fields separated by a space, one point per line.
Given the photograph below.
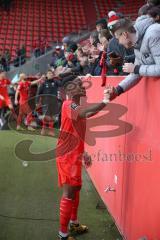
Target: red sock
x=65 y=213
x=51 y=125
x=75 y=207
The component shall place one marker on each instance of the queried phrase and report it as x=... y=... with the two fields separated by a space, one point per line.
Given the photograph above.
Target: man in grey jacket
x=145 y=37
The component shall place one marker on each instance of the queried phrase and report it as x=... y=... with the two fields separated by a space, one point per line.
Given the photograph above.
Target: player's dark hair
x=70 y=84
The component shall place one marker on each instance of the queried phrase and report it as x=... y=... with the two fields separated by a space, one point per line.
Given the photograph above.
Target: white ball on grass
x=25 y=164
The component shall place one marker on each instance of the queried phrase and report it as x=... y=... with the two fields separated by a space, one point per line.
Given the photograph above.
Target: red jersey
x=23 y=88
x=4 y=83
x=70 y=144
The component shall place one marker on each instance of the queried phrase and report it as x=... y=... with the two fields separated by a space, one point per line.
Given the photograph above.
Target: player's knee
x=70 y=192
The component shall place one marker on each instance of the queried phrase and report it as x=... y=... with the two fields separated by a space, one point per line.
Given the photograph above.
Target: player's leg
x=44 y=120
x=29 y=118
x=21 y=114
x=49 y=115
x=10 y=106
x=74 y=214
x=44 y=125
x=66 y=205
x=75 y=226
x=51 y=126
x=8 y=103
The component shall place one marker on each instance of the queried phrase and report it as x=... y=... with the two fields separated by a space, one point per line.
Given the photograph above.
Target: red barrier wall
x=130 y=161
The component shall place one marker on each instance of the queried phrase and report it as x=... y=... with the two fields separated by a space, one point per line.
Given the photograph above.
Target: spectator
x=20 y=58
x=36 y=48
x=22 y=54
x=66 y=42
x=72 y=47
x=154 y=12
x=144 y=10
x=6 y=4
x=145 y=36
x=44 y=46
x=94 y=40
x=7 y=57
x=57 y=55
x=71 y=61
x=101 y=24
x=79 y=53
x=126 y=54
x=3 y=63
x=153 y=2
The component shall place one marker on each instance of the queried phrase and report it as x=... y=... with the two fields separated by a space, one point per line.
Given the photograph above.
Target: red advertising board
x=123 y=141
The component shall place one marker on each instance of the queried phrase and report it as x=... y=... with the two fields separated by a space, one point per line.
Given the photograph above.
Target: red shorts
x=24 y=108
x=69 y=171
x=6 y=102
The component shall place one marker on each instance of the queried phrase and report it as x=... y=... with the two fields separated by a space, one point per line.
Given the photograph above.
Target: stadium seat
x=29 y=20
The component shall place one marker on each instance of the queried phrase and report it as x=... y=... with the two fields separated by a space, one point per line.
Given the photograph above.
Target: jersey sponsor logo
x=74 y=106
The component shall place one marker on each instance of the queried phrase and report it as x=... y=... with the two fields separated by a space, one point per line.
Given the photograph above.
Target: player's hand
x=110 y=92
x=87 y=77
x=128 y=67
x=43 y=77
x=87 y=160
x=16 y=102
x=106 y=94
x=1 y=98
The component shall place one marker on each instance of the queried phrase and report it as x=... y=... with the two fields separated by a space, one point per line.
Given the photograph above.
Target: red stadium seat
x=51 y=19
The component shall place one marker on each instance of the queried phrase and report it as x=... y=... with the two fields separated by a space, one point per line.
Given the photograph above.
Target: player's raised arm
x=95 y=108
x=16 y=96
x=75 y=90
x=38 y=80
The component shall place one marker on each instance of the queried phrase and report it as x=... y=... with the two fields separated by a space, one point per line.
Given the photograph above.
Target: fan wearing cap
x=117 y=52
x=113 y=18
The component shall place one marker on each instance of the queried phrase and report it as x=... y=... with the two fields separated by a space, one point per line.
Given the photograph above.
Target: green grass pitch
x=29 y=196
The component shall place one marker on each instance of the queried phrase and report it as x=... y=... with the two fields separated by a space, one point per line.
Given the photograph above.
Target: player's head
x=125 y=32
x=22 y=77
x=50 y=75
x=75 y=88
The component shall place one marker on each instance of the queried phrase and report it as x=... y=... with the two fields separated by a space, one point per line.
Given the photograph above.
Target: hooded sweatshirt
x=147 y=52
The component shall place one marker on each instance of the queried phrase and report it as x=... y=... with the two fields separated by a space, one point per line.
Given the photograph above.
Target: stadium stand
x=32 y=20
x=128 y=8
